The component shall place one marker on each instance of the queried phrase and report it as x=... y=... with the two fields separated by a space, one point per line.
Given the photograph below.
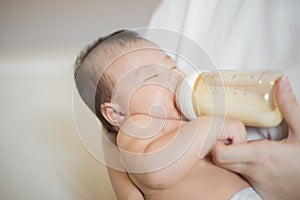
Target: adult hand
x=271 y=167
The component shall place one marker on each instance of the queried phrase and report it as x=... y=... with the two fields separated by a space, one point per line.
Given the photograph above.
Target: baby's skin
x=166 y=156
x=191 y=175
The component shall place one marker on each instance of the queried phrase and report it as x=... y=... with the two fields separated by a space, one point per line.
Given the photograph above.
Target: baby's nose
x=173 y=80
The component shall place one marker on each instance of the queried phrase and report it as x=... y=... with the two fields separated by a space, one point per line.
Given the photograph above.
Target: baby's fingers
x=234 y=131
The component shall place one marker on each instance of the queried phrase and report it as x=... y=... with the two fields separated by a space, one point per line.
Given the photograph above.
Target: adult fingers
x=240 y=158
x=289 y=106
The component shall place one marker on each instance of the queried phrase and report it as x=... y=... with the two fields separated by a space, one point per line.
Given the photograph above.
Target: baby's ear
x=111 y=114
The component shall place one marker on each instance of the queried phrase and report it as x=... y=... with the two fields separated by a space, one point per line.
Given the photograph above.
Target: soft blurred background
x=41 y=156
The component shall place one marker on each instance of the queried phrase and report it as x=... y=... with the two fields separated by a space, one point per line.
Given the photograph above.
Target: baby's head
x=114 y=73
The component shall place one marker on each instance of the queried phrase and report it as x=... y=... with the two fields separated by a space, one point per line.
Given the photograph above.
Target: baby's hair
x=93 y=84
x=124 y=37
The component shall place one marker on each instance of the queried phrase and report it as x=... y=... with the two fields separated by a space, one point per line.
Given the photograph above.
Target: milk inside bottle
x=245 y=95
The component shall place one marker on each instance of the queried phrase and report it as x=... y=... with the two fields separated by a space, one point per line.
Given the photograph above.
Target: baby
x=129 y=83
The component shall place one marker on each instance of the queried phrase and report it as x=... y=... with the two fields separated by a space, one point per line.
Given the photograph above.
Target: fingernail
x=285 y=83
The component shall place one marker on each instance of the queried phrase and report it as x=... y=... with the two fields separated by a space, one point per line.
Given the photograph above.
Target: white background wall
x=41 y=156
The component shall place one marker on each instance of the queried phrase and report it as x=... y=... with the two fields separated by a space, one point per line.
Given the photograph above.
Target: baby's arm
x=123 y=187
x=191 y=142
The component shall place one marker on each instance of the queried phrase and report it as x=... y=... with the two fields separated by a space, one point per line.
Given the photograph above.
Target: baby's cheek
x=150 y=100
x=140 y=102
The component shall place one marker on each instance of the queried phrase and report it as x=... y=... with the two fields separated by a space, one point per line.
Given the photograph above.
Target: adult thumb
x=239 y=158
x=289 y=106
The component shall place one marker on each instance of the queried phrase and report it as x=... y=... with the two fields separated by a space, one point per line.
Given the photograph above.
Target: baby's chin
x=174 y=115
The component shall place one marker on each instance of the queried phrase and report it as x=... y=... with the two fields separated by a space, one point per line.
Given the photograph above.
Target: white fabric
x=249 y=34
x=246 y=194
x=275 y=133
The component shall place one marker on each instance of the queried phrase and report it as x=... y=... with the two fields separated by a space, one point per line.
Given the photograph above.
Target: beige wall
x=41 y=156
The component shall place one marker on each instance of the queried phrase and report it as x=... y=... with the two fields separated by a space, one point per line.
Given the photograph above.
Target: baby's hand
x=233 y=132
x=220 y=129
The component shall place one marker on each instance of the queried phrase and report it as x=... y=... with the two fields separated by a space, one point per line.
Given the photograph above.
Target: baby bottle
x=245 y=95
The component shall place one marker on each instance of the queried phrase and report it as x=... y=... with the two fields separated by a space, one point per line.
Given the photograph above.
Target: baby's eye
x=151 y=77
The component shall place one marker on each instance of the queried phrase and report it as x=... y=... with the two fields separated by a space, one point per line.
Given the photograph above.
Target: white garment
x=275 y=133
x=249 y=34
x=246 y=194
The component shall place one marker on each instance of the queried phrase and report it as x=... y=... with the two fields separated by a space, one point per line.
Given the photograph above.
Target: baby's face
x=145 y=81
